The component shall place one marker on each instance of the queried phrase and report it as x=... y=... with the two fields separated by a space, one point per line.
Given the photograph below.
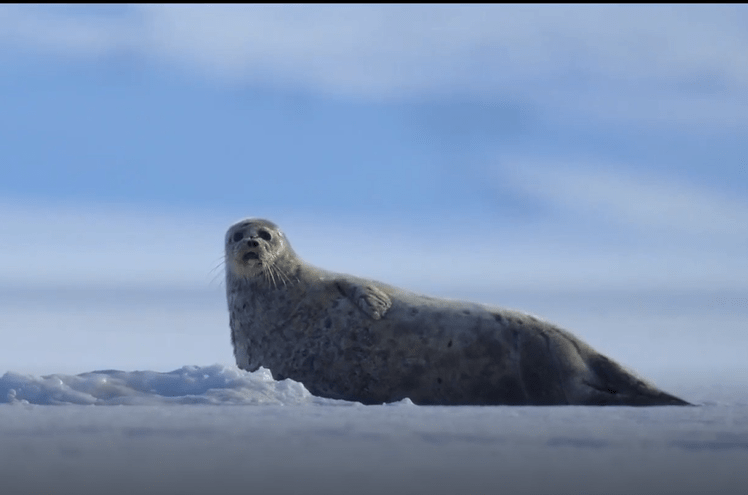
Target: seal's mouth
x=250 y=256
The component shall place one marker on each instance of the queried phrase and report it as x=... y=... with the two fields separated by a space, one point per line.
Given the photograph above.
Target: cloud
x=645 y=201
x=622 y=42
x=89 y=245
x=28 y=30
x=680 y=63
x=60 y=245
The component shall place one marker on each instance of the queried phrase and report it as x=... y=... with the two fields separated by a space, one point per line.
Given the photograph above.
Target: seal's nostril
x=238 y=236
x=252 y=243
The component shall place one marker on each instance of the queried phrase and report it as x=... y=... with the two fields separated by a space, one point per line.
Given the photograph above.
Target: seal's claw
x=369 y=299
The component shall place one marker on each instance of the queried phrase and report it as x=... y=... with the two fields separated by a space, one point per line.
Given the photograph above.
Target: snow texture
x=217 y=429
x=188 y=385
x=175 y=429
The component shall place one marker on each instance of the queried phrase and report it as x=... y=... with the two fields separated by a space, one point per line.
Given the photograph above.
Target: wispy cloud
x=658 y=62
x=90 y=245
x=34 y=29
x=646 y=201
x=63 y=245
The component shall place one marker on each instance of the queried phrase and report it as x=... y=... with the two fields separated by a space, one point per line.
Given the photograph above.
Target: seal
x=350 y=338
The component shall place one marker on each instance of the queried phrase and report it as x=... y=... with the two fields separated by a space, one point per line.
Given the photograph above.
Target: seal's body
x=349 y=338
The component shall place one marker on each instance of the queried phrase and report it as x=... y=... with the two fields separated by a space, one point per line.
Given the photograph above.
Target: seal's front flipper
x=368 y=298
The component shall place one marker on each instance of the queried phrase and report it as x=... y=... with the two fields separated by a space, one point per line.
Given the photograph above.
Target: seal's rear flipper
x=613 y=385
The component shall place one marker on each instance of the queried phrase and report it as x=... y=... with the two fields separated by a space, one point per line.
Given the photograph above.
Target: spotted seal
x=350 y=338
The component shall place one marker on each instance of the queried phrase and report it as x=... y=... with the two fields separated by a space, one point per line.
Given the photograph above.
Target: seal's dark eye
x=264 y=234
x=238 y=236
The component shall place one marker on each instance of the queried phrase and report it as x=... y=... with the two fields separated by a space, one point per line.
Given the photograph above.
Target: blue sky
x=563 y=146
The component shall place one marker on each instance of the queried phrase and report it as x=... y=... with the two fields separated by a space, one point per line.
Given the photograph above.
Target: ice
x=218 y=429
x=314 y=448
x=215 y=384
x=183 y=429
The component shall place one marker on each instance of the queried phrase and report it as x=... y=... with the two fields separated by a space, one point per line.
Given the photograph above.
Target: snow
x=215 y=384
x=218 y=429
x=195 y=429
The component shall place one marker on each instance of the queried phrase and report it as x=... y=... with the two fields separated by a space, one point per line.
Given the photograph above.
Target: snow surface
x=218 y=429
x=188 y=385
x=175 y=429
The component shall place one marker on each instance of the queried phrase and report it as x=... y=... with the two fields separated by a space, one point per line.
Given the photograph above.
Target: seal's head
x=257 y=247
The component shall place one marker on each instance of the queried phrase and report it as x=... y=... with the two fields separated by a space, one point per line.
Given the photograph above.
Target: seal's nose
x=252 y=243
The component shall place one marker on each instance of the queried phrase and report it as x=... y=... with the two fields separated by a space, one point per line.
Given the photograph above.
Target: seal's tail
x=614 y=385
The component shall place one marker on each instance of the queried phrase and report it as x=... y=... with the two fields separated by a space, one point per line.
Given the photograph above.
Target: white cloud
x=643 y=200
x=56 y=245
x=29 y=29
x=642 y=56
x=71 y=245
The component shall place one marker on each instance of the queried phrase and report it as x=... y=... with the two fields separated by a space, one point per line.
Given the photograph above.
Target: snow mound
x=215 y=384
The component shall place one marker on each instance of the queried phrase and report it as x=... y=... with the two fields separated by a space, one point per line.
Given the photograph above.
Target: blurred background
x=583 y=163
